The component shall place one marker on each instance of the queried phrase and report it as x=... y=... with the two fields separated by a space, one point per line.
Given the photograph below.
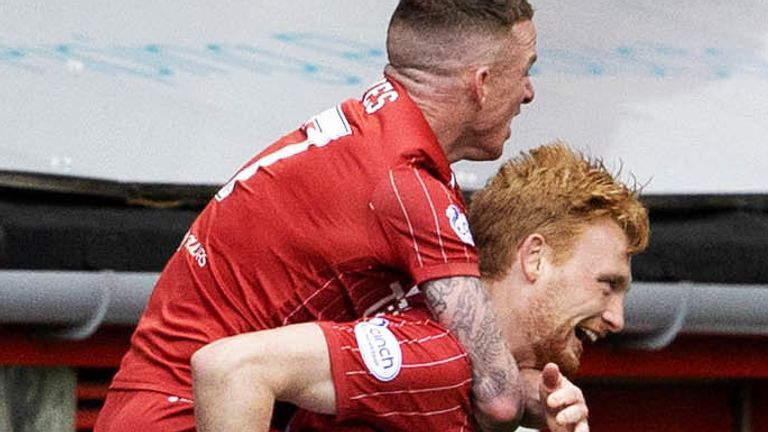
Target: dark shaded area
x=59 y=223
x=727 y=246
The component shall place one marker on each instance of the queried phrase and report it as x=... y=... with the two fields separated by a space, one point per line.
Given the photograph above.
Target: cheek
x=557 y=319
x=591 y=307
x=581 y=294
x=512 y=103
x=502 y=111
x=516 y=93
x=542 y=316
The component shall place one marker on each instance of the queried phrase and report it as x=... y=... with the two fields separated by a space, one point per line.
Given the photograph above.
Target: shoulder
x=411 y=184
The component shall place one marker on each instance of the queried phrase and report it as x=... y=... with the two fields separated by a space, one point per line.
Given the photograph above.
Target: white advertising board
x=177 y=91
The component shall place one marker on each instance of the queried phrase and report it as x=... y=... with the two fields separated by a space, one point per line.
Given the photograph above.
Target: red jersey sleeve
x=425 y=385
x=425 y=225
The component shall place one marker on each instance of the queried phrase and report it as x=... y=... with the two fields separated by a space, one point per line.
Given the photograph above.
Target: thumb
x=550 y=378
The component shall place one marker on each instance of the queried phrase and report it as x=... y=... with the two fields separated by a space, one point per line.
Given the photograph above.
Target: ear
x=480 y=78
x=532 y=256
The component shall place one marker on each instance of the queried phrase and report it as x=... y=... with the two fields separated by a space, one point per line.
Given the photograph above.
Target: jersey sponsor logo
x=379 y=348
x=459 y=224
x=195 y=249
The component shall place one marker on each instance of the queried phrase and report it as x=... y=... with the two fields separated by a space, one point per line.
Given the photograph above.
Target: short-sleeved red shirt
x=328 y=223
x=422 y=386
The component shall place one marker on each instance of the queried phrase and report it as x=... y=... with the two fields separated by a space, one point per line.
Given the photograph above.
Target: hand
x=565 y=409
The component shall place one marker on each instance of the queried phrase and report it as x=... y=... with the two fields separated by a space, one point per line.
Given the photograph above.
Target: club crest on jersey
x=460 y=224
x=379 y=349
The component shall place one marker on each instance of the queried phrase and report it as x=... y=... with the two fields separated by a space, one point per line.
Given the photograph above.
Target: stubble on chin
x=556 y=348
x=551 y=341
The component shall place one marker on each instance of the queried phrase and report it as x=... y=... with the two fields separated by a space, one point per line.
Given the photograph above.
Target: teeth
x=593 y=336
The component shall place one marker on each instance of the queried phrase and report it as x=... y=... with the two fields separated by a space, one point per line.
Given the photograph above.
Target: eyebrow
x=618 y=281
x=532 y=60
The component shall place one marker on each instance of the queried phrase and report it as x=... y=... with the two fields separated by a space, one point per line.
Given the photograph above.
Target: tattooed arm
x=461 y=304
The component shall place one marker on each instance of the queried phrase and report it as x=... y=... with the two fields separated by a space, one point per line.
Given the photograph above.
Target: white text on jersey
x=381 y=93
x=320 y=129
x=194 y=248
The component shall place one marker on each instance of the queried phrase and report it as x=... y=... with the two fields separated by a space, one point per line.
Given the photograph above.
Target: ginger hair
x=556 y=192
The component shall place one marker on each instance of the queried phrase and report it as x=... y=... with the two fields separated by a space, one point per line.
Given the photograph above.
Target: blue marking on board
x=338 y=61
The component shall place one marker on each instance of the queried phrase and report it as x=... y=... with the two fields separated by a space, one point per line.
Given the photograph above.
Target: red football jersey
x=396 y=372
x=329 y=223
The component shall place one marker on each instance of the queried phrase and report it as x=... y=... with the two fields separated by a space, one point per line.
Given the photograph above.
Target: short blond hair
x=556 y=192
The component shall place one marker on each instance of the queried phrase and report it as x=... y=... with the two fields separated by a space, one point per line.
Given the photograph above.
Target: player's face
x=582 y=298
x=509 y=87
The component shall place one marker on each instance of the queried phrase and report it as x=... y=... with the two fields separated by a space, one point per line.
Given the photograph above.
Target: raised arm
x=461 y=304
x=236 y=380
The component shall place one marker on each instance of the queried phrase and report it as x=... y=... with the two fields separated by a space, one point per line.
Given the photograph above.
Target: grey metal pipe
x=76 y=303
x=79 y=302
x=657 y=312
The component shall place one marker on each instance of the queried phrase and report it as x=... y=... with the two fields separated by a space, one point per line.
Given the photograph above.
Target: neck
x=442 y=101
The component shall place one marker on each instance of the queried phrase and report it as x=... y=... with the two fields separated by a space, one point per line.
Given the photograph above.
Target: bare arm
x=236 y=380
x=461 y=304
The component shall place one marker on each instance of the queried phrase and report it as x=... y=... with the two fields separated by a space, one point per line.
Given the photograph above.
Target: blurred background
x=118 y=121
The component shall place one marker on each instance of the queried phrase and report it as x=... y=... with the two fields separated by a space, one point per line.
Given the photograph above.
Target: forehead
x=602 y=248
x=519 y=50
x=524 y=32
x=523 y=38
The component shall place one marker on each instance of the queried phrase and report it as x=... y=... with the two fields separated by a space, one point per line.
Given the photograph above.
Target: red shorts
x=396 y=372
x=140 y=410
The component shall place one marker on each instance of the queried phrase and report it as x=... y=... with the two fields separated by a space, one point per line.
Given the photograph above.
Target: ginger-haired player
x=556 y=233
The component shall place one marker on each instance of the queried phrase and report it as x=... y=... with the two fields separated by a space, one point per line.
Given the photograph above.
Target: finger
x=572 y=415
x=550 y=378
x=569 y=395
x=582 y=427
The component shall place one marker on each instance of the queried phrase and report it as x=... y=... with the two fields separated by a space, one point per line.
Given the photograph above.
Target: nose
x=614 y=314
x=529 y=92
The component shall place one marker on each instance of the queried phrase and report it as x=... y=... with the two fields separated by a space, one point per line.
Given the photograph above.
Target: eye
x=528 y=71
x=608 y=286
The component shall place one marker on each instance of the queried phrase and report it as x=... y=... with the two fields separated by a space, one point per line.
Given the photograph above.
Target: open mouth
x=586 y=335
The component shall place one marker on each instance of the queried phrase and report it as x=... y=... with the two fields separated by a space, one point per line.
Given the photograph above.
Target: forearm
x=236 y=380
x=228 y=394
x=461 y=304
x=216 y=410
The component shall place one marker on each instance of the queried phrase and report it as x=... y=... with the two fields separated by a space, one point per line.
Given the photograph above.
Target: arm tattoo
x=461 y=304
x=436 y=292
